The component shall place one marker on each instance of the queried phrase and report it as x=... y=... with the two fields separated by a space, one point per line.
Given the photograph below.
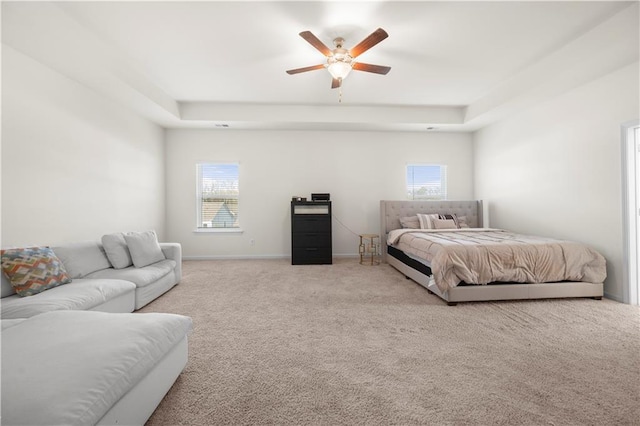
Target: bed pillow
x=426 y=220
x=453 y=217
x=462 y=222
x=144 y=248
x=444 y=224
x=410 y=222
x=117 y=251
x=33 y=270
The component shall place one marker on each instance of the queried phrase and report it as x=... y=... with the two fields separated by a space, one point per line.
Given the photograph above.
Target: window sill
x=218 y=231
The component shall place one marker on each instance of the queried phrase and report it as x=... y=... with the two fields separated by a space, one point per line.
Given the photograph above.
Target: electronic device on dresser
x=311 y=232
x=323 y=196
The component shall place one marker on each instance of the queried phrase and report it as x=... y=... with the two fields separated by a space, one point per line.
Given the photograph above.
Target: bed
x=87 y=368
x=449 y=262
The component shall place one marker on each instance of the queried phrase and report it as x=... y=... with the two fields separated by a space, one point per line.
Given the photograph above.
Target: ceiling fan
x=341 y=61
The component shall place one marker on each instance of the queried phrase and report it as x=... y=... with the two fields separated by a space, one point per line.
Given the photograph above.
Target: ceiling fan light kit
x=341 y=61
x=339 y=69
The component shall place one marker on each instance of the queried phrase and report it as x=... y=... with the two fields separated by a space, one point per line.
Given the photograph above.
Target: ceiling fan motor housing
x=339 y=55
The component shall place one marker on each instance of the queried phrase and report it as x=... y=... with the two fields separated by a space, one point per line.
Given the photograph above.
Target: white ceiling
x=454 y=65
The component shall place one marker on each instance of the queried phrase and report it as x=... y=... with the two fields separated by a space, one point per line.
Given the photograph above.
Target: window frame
x=410 y=186
x=198 y=199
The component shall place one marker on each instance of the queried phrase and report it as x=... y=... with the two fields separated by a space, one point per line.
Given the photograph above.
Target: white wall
x=555 y=169
x=358 y=169
x=74 y=165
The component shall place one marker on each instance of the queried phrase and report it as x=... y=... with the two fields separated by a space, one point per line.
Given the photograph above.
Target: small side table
x=369 y=245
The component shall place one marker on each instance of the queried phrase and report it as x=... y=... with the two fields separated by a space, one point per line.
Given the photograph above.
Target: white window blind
x=217 y=195
x=426 y=182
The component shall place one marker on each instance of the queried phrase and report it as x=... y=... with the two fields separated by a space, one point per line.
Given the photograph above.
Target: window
x=426 y=182
x=217 y=196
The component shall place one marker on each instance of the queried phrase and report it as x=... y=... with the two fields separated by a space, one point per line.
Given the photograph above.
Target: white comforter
x=71 y=367
x=483 y=255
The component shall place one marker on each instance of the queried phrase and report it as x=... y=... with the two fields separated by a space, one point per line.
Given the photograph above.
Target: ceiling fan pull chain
x=340 y=94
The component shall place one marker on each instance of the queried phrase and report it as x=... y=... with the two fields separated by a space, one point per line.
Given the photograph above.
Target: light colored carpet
x=351 y=344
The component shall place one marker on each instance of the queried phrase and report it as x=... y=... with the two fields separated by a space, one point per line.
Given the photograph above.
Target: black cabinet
x=311 y=232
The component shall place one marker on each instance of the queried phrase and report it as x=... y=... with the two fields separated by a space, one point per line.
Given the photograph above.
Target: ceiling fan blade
x=336 y=82
x=372 y=39
x=315 y=42
x=376 y=69
x=305 y=69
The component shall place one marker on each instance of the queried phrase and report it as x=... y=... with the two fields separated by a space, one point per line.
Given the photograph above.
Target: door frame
x=630 y=206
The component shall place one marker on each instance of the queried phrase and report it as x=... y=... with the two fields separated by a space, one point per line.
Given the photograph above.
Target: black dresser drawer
x=311 y=256
x=311 y=223
x=311 y=239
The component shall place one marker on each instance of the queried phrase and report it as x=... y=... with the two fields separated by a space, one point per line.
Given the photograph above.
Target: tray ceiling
x=455 y=65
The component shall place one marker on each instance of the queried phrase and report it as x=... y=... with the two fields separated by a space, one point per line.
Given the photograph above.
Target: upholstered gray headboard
x=391 y=211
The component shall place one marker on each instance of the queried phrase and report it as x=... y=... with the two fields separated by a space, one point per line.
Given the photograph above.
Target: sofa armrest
x=174 y=251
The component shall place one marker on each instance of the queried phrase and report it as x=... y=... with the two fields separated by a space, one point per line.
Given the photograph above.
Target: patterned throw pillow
x=33 y=270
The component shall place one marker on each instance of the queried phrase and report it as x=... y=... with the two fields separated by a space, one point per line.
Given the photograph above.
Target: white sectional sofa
x=72 y=351
x=96 y=285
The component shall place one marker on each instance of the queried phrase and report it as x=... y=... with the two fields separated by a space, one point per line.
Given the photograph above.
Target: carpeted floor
x=347 y=344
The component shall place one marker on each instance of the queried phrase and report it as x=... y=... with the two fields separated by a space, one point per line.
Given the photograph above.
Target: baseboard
x=238 y=257
x=256 y=256
x=613 y=297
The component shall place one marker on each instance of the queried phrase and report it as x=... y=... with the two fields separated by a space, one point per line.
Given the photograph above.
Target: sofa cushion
x=141 y=277
x=67 y=373
x=81 y=294
x=144 y=248
x=33 y=270
x=6 y=287
x=82 y=258
x=11 y=322
x=117 y=251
